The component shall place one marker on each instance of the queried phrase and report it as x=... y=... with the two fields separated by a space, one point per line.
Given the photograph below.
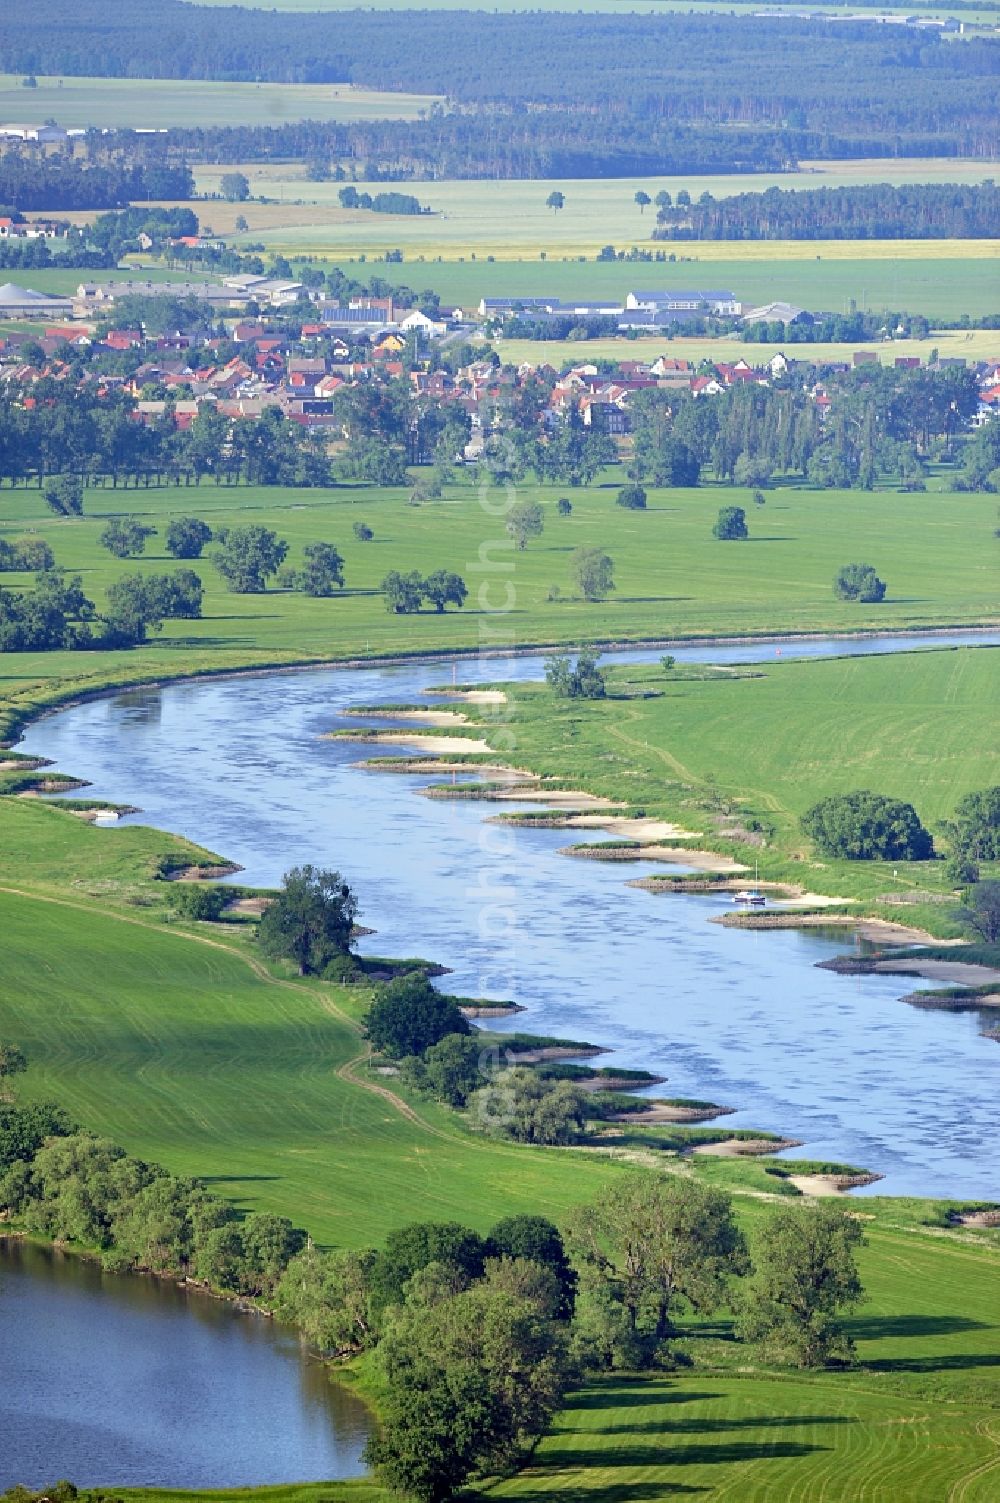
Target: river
x=115 y=1380
x=744 y=1019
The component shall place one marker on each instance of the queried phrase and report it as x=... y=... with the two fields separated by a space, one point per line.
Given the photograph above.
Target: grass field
x=920 y=728
x=508 y=222
x=673 y=578
x=176 y=1046
x=157 y=103
x=978 y=344
x=176 y=1042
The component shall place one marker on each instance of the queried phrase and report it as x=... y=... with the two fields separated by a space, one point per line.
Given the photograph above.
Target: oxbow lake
x=126 y=1381
x=744 y=1019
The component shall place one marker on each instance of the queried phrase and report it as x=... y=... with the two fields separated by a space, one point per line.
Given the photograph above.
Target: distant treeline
x=30 y=181
x=760 y=90
x=925 y=211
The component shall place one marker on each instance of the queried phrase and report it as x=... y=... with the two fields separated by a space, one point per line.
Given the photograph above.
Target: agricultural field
x=159 y=103
x=979 y=344
x=188 y=1056
x=673 y=579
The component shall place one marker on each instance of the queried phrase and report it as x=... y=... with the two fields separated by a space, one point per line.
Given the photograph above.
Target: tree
x=240 y=224
x=327 y=1296
x=469 y=1384
x=663 y=199
x=403 y=592
x=362 y=532
x=731 y=524
x=179 y=595
x=235 y=187
x=555 y=201
x=859 y=582
x=525 y=520
x=29 y=555
x=668 y=662
x=444 y=588
x=982 y=911
x=805 y=1274
x=977 y=823
x=451 y=1069
x=410 y=1249
x=409 y=1015
x=642 y=198
x=582 y=681
x=537 y=1240
x=310 y=921
x=592 y=572
x=866 y=826
x=12 y=1062
x=64 y=495
x=125 y=537
x=187 y=536
x=653 y=1243
x=200 y=900
x=518 y=1103
x=632 y=496
x=135 y=607
x=564 y=506
x=248 y=556
x=323 y=570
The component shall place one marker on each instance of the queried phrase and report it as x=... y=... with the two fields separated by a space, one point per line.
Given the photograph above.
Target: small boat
x=751 y=897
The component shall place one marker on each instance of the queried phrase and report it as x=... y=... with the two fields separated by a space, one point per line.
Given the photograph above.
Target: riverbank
x=573 y=787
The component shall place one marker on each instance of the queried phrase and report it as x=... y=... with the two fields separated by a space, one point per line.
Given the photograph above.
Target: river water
x=124 y=1381
x=743 y=1019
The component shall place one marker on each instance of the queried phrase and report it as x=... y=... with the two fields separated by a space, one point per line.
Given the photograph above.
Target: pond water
x=125 y=1381
x=744 y=1019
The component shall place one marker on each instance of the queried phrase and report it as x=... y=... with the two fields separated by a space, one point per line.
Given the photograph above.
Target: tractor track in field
x=345 y=1071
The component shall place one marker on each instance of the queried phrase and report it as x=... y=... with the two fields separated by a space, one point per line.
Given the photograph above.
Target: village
x=269 y=343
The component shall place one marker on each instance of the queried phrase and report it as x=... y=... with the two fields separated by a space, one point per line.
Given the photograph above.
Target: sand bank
x=745 y=1148
x=438 y=746
x=955 y=972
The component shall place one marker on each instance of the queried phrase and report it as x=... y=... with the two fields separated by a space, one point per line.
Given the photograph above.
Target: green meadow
x=175 y=1040
x=766 y=745
x=157 y=103
x=673 y=579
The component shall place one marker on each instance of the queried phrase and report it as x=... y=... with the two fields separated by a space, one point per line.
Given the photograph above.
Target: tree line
x=881 y=211
x=81 y=432
x=30 y=180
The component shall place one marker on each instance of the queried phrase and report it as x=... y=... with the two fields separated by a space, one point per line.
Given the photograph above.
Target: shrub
x=196 y=901
x=731 y=524
x=866 y=826
x=409 y=1015
x=859 y=582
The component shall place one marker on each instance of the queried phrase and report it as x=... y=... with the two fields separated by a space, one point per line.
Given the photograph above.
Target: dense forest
x=31 y=181
x=551 y=83
x=921 y=211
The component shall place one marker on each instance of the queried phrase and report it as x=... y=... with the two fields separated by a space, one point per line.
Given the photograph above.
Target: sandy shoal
x=632 y=829
x=957 y=972
x=438 y=746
